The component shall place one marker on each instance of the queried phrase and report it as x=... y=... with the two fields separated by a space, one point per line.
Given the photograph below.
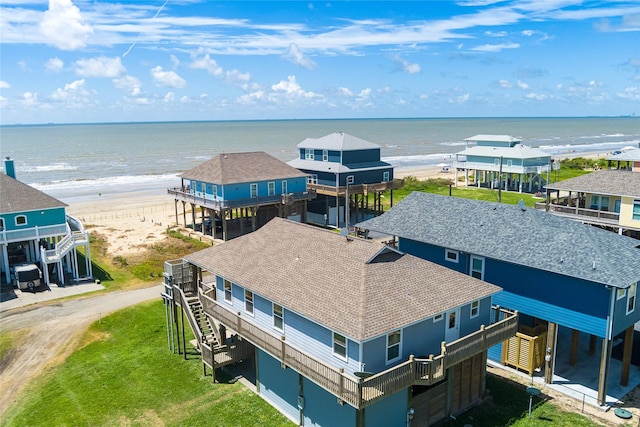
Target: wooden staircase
x=205 y=332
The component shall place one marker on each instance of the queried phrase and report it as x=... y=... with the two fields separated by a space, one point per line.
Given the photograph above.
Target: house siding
x=366 y=176
x=243 y=190
x=390 y=412
x=360 y=156
x=322 y=409
x=626 y=213
x=278 y=386
x=622 y=320
x=39 y=218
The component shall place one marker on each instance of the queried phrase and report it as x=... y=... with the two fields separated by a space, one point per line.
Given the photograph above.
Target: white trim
x=21 y=216
x=471 y=271
x=251 y=187
x=387 y=347
x=253 y=303
x=477 y=308
x=448 y=252
x=309 y=154
x=224 y=289
x=621 y=293
x=274 y=316
x=284 y=186
x=438 y=317
x=325 y=155
x=351 y=179
x=346 y=346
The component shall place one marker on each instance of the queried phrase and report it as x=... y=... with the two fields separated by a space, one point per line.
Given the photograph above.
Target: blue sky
x=67 y=61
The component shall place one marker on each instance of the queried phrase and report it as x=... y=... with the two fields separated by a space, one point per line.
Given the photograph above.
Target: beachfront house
x=342 y=167
x=573 y=285
x=236 y=193
x=35 y=229
x=608 y=198
x=501 y=161
x=329 y=344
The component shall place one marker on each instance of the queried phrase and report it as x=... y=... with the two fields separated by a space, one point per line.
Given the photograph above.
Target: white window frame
x=474 y=309
x=631 y=298
x=228 y=291
x=386 y=176
x=271 y=188
x=22 y=217
x=284 y=186
x=253 y=190
x=448 y=252
x=621 y=293
x=309 y=154
x=249 y=303
x=351 y=179
x=635 y=210
x=277 y=316
x=471 y=270
x=312 y=179
x=325 y=155
x=438 y=317
x=398 y=344
x=336 y=343
x=214 y=190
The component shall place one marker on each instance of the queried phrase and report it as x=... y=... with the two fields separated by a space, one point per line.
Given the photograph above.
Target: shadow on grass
x=99 y=273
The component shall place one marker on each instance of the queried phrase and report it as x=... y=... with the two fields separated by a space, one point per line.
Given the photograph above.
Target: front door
x=452 y=325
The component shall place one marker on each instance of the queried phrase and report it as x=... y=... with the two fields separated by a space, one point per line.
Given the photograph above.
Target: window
x=227 y=290
x=385 y=176
x=254 y=190
x=248 y=302
x=271 y=187
x=604 y=203
x=631 y=298
x=21 y=220
x=475 y=309
x=393 y=345
x=350 y=179
x=1 y=224
x=496 y=162
x=635 y=214
x=621 y=293
x=308 y=154
x=595 y=202
x=437 y=318
x=451 y=255
x=509 y=162
x=278 y=317
x=477 y=267
x=284 y=187
x=312 y=179
x=215 y=191
x=339 y=345
x=325 y=155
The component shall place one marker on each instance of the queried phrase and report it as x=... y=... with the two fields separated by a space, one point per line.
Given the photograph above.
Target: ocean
x=77 y=162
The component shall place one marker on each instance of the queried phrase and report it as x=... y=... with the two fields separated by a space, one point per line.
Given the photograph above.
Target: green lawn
x=124 y=375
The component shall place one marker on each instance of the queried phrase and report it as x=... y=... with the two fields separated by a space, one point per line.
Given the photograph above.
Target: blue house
x=239 y=192
x=342 y=167
x=502 y=161
x=342 y=331
x=564 y=278
x=35 y=229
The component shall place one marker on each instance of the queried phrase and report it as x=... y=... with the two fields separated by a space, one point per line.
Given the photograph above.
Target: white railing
x=33 y=233
x=505 y=168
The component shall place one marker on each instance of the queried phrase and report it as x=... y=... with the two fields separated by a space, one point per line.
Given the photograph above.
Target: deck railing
x=355 y=188
x=33 y=233
x=505 y=168
x=595 y=215
x=359 y=392
x=198 y=198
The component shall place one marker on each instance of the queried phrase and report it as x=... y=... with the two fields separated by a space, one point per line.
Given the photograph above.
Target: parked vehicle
x=27 y=276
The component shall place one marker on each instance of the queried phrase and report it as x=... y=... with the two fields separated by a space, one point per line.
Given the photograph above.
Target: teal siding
x=278 y=386
x=39 y=218
x=553 y=313
x=322 y=409
x=390 y=412
x=242 y=190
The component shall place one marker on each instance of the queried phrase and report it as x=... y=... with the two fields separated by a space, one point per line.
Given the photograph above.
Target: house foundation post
x=550 y=357
x=604 y=371
x=626 y=356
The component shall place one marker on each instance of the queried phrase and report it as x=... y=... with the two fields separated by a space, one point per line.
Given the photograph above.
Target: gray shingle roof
x=335 y=167
x=492 y=138
x=607 y=182
x=516 y=152
x=16 y=196
x=527 y=237
x=232 y=168
x=338 y=141
x=627 y=156
x=323 y=276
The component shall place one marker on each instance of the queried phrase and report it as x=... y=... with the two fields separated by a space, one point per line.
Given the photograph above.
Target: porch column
x=626 y=355
x=575 y=340
x=552 y=335
x=604 y=371
x=184 y=213
x=5 y=262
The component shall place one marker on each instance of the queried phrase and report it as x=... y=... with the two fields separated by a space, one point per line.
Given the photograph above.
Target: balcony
x=201 y=199
x=591 y=216
x=33 y=233
x=505 y=168
x=332 y=190
x=359 y=392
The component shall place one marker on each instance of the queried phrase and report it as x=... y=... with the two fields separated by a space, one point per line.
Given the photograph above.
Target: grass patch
x=123 y=374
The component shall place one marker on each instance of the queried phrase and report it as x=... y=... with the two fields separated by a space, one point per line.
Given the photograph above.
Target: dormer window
x=308 y=154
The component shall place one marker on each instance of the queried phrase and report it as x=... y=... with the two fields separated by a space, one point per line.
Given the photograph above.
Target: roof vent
x=561 y=260
x=594 y=265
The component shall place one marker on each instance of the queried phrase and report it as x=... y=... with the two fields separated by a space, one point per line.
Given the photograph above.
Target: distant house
x=331 y=344
x=501 y=161
x=35 y=229
x=560 y=275
x=340 y=167
x=239 y=192
x=605 y=198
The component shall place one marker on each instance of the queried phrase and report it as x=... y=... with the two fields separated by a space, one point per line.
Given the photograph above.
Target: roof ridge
x=605 y=261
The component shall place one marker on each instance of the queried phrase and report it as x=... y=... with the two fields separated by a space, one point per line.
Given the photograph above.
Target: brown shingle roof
x=16 y=196
x=353 y=286
x=232 y=168
x=608 y=182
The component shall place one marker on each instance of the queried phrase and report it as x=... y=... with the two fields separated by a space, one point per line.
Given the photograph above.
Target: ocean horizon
x=75 y=162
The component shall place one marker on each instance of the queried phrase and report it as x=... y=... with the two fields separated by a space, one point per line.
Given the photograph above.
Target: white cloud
x=169 y=97
x=206 y=63
x=295 y=55
x=365 y=93
x=63 y=26
x=523 y=85
x=495 y=47
x=167 y=78
x=505 y=84
x=345 y=92
x=407 y=67
x=631 y=93
x=527 y=33
x=100 y=67
x=536 y=96
x=129 y=83
x=175 y=61
x=495 y=33
x=74 y=92
x=30 y=99
x=4 y=85
x=292 y=89
x=54 y=64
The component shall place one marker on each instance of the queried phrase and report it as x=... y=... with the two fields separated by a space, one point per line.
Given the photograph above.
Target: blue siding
x=469 y=325
x=39 y=218
x=622 y=320
x=361 y=156
x=366 y=176
x=322 y=409
x=389 y=412
x=243 y=190
x=552 y=313
x=278 y=386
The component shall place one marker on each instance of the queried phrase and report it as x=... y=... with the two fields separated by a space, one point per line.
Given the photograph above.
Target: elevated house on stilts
x=236 y=193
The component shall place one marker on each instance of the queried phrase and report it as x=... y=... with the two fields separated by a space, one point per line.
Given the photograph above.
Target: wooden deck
x=209 y=203
x=341 y=191
x=590 y=216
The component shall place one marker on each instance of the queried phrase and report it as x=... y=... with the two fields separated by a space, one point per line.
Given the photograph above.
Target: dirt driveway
x=50 y=332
